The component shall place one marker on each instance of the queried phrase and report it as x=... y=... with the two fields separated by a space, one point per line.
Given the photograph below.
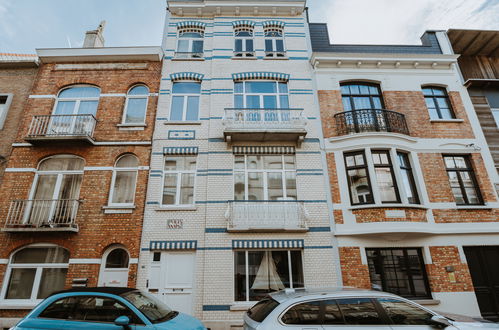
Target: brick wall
x=440 y=279
x=353 y=271
x=379 y=215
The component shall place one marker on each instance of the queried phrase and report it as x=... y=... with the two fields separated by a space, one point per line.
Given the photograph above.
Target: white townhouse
x=237 y=202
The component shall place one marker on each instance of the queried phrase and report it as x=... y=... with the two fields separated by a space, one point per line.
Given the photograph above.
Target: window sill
x=384 y=206
x=116 y=209
x=242 y=306
x=177 y=208
x=244 y=58
x=183 y=123
x=474 y=207
x=26 y=306
x=276 y=58
x=131 y=127
x=446 y=120
x=188 y=59
x=427 y=302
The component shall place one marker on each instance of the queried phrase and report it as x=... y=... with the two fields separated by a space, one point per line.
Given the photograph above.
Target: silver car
x=347 y=308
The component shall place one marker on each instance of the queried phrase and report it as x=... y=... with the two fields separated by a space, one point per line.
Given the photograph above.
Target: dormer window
x=244 y=45
x=274 y=42
x=190 y=43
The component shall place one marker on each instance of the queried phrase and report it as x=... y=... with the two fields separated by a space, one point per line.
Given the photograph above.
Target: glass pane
x=284 y=102
x=291 y=185
x=297 y=269
x=62 y=309
x=430 y=102
x=438 y=91
x=70 y=186
x=364 y=90
x=279 y=45
x=118 y=258
x=303 y=314
x=238 y=87
x=66 y=163
x=446 y=113
x=374 y=90
x=255 y=162
x=239 y=162
x=127 y=161
x=249 y=45
x=359 y=186
x=255 y=186
x=139 y=90
x=345 y=89
x=136 y=111
x=80 y=92
x=170 y=189
x=183 y=46
x=472 y=195
x=192 y=108
x=187 y=189
x=52 y=280
x=386 y=184
x=272 y=162
x=402 y=313
x=191 y=34
x=283 y=88
x=176 y=113
x=289 y=162
x=239 y=186
x=434 y=113
x=65 y=108
x=45 y=187
x=332 y=314
x=255 y=260
x=100 y=309
x=240 y=276
x=253 y=102
x=261 y=87
x=409 y=186
x=275 y=188
x=443 y=102
x=362 y=103
x=377 y=103
x=124 y=187
x=427 y=91
x=197 y=46
x=270 y=102
x=269 y=45
x=347 y=106
x=20 y=283
x=238 y=45
x=186 y=88
x=238 y=101
x=88 y=107
x=354 y=89
x=52 y=255
x=359 y=311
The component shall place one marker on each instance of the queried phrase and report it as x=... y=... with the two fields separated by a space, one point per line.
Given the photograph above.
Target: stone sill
x=188 y=59
x=276 y=58
x=118 y=209
x=446 y=120
x=131 y=127
x=25 y=306
x=176 y=208
x=245 y=58
x=474 y=207
x=388 y=206
x=182 y=123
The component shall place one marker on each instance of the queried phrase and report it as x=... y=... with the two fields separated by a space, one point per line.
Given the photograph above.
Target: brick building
x=73 y=193
x=17 y=73
x=410 y=171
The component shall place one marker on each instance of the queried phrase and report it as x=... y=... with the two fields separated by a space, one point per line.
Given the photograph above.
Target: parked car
x=105 y=308
x=347 y=308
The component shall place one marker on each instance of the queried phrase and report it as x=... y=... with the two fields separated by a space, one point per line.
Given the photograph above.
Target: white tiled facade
x=206 y=222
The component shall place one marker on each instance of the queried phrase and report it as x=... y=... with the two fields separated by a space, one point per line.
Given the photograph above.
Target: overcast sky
x=29 y=24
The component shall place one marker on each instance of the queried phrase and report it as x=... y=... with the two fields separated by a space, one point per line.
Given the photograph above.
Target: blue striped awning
x=278 y=24
x=186 y=76
x=180 y=150
x=247 y=23
x=260 y=75
x=191 y=24
x=263 y=150
x=173 y=245
x=268 y=244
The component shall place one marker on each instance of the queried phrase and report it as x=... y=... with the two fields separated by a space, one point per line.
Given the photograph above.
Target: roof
x=319 y=36
x=109 y=290
x=16 y=60
x=474 y=42
x=285 y=295
x=98 y=54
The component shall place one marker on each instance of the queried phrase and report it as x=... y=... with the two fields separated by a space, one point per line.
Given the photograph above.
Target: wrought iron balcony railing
x=266 y=216
x=42 y=215
x=244 y=54
x=264 y=118
x=62 y=127
x=370 y=120
x=189 y=55
x=275 y=54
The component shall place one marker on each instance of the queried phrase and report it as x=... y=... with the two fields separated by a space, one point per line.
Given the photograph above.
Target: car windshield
x=152 y=308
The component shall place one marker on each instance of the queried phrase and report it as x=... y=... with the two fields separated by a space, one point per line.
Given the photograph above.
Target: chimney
x=94 y=38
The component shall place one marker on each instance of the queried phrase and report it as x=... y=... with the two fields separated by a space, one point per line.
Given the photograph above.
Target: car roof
x=337 y=292
x=108 y=290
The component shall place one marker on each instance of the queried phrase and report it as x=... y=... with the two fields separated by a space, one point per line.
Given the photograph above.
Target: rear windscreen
x=262 y=309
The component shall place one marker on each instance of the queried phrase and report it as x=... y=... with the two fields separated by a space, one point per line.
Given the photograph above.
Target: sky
x=29 y=24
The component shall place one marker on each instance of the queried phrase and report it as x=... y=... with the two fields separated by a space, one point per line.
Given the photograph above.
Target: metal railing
x=275 y=54
x=42 y=213
x=264 y=118
x=244 y=54
x=189 y=54
x=370 y=120
x=288 y=215
x=62 y=126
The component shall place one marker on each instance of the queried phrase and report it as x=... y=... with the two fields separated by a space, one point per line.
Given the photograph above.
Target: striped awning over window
x=173 y=245
x=261 y=75
x=278 y=24
x=191 y=24
x=268 y=244
x=186 y=76
x=243 y=23
x=180 y=150
x=263 y=150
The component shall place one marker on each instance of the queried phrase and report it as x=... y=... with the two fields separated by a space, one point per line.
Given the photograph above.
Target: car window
x=359 y=311
x=332 y=314
x=60 y=309
x=262 y=309
x=306 y=313
x=403 y=313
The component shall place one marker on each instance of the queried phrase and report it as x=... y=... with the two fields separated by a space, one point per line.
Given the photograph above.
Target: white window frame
x=290 y=268
x=264 y=172
x=495 y=114
x=4 y=108
x=179 y=174
x=185 y=97
x=277 y=94
x=244 y=51
x=75 y=99
x=190 y=48
x=113 y=181
x=128 y=97
x=274 y=50
x=36 y=282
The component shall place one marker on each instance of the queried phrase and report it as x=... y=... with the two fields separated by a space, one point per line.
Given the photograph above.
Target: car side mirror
x=440 y=321
x=122 y=321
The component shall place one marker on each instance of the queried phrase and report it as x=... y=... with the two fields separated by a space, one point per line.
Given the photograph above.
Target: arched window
x=117 y=258
x=438 y=103
x=190 y=43
x=136 y=105
x=361 y=96
x=274 y=42
x=244 y=45
x=114 y=267
x=124 y=181
x=185 y=101
x=34 y=273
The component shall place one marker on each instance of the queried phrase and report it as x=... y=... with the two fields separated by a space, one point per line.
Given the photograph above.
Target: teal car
x=105 y=308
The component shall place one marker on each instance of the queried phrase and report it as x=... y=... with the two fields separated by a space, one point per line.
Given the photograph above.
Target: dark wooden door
x=483 y=262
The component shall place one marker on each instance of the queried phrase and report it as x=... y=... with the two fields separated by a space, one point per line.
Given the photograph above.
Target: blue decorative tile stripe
x=273 y=23
x=319 y=229
x=173 y=245
x=181 y=135
x=215 y=230
x=260 y=75
x=188 y=24
x=263 y=150
x=186 y=76
x=180 y=150
x=242 y=23
x=216 y=308
x=268 y=244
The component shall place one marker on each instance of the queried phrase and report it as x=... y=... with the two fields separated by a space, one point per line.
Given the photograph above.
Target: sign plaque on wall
x=175 y=224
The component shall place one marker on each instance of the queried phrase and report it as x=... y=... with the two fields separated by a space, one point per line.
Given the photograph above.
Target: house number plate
x=175 y=224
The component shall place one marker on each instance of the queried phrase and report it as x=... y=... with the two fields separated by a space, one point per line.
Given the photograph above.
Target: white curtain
x=267 y=277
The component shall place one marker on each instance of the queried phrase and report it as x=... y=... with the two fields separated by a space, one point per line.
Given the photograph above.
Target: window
x=244 y=45
x=495 y=114
x=274 y=42
x=34 y=273
x=403 y=313
x=359 y=96
x=262 y=309
x=385 y=177
x=358 y=178
x=462 y=180
x=438 y=103
x=408 y=183
x=258 y=273
x=190 y=43
x=265 y=177
x=117 y=258
x=261 y=95
x=136 y=105
x=124 y=180
x=179 y=176
x=359 y=311
x=303 y=314
x=185 y=101
x=5 y=101
x=332 y=314
x=399 y=271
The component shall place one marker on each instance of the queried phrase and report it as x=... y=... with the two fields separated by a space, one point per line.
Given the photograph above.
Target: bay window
x=385 y=177
x=408 y=178
x=358 y=178
x=185 y=101
x=462 y=180
x=179 y=175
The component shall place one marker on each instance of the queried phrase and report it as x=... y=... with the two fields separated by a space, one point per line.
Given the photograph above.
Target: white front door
x=177 y=269
x=117 y=277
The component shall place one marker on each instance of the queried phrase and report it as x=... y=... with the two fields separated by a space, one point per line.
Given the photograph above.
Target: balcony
x=370 y=120
x=189 y=55
x=264 y=125
x=42 y=215
x=61 y=128
x=266 y=216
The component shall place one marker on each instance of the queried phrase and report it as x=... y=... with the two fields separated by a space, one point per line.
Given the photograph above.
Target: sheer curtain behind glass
x=125 y=178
